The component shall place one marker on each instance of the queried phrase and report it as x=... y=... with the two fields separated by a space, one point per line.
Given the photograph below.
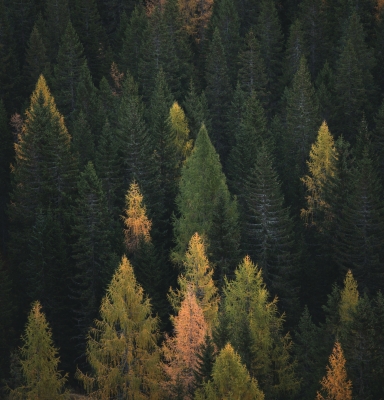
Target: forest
x=192 y=199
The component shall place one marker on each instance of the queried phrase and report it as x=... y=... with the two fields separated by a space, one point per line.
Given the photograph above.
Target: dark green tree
x=218 y=93
x=83 y=141
x=269 y=237
x=70 y=60
x=252 y=74
x=92 y=253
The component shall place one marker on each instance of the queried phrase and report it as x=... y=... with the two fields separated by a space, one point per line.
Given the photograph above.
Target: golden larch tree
x=335 y=385
x=181 y=350
x=137 y=224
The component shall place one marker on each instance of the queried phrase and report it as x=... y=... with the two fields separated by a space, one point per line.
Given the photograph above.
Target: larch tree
x=197 y=276
x=322 y=166
x=349 y=298
x=122 y=347
x=39 y=361
x=230 y=379
x=181 y=350
x=335 y=385
x=254 y=329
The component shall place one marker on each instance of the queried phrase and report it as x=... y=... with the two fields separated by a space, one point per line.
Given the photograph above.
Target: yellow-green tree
x=335 y=385
x=39 y=362
x=349 y=298
x=230 y=380
x=197 y=276
x=179 y=130
x=137 y=224
x=122 y=347
x=322 y=167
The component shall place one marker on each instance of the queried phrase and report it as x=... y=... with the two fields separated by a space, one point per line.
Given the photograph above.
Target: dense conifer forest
x=192 y=199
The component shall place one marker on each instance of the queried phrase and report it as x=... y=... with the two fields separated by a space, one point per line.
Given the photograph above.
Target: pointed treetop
x=349 y=298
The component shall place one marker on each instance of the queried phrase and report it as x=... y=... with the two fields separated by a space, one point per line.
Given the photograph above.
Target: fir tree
x=205 y=360
x=39 y=361
x=335 y=385
x=94 y=260
x=70 y=60
x=121 y=348
x=83 y=141
x=218 y=93
x=252 y=73
x=269 y=231
x=230 y=379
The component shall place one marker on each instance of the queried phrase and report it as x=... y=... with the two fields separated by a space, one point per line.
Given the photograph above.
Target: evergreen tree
x=249 y=137
x=92 y=35
x=269 y=238
x=378 y=142
x=225 y=18
x=230 y=379
x=218 y=93
x=268 y=33
x=181 y=350
x=361 y=233
x=133 y=41
x=57 y=16
x=197 y=277
x=335 y=384
x=70 y=60
x=301 y=127
x=36 y=60
x=325 y=92
x=201 y=185
x=94 y=260
x=205 y=360
x=83 y=141
x=254 y=329
x=121 y=348
x=252 y=73
x=43 y=176
x=39 y=361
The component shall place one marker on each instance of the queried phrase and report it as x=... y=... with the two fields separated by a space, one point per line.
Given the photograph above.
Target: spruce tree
x=92 y=253
x=230 y=379
x=122 y=349
x=70 y=60
x=83 y=141
x=218 y=92
x=39 y=361
x=361 y=233
x=202 y=183
x=269 y=237
x=252 y=73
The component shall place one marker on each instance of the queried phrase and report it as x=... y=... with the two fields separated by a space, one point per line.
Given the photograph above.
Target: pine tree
x=39 y=361
x=268 y=33
x=70 y=60
x=92 y=253
x=181 y=350
x=252 y=73
x=218 y=93
x=325 y=92
x=335 y=384
x=201 y=184
x=254 y=329
x=205 y=359
x=121 y=348
x=269 y=237
x=361 y=232
x=36 y=60
x=230 y=379
x=83 y=141
x=322 y=166
x=197 y=277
